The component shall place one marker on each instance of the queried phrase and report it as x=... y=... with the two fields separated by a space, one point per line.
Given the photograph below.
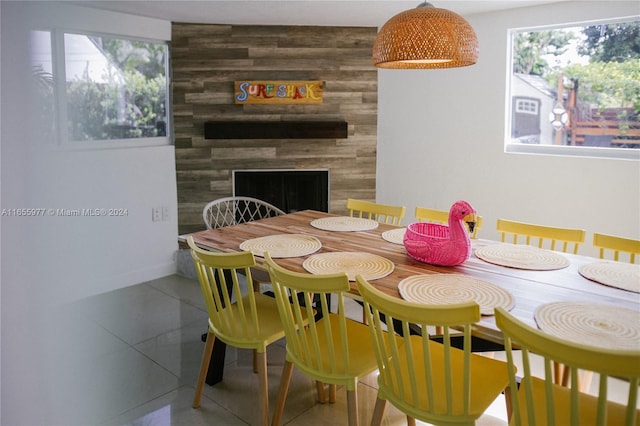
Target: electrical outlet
x=165 y=213
x=156 y=214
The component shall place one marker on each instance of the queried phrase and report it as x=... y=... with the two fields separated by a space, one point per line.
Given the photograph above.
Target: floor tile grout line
x=185 y=301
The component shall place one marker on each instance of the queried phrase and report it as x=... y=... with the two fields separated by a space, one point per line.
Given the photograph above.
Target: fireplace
x=290 y=190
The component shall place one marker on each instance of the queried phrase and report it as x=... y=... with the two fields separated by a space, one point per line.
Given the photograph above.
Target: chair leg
x=287 y=371
x=352 y=406
x=263 y=387
x=557 y=373
x=508 y=403
x=411 y=421
x=332 y=394
x=378 y=412
x=322 y=398
x=204 y=368
x=585 y=383
x=566 y=376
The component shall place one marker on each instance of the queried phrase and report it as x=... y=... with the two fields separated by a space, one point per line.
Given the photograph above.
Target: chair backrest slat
x=543 y=236
x=383 y=213
x=617 y=245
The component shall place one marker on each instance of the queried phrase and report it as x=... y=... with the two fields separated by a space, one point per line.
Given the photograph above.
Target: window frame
x=527 y=102
x=61 y=136
x=632 y=154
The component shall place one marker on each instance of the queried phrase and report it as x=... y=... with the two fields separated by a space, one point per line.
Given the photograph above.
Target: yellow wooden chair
x=553 y=238
x=333 y=350
x=559 y=239
x=539 y=401
x=249 y=322
x=384 y=213
x=427 y=380
x=618 y=245
x=424 y=214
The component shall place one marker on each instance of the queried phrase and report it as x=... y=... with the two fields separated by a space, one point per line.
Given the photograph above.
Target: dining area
x=129 y=343
x=405 y=315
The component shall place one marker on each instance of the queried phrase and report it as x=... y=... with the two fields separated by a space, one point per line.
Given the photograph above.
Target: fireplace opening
x=289 y=190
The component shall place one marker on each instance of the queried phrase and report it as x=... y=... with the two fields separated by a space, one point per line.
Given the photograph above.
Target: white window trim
x=62 y=135
x=573 y=151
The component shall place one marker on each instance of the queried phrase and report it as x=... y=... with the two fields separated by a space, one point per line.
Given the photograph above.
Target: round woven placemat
x=593 y=324
x=395 y=236
x=370 y=266
x=614 y=274
x=282 y=245
x=522 y=257
x=443 y=289
x=344 y=224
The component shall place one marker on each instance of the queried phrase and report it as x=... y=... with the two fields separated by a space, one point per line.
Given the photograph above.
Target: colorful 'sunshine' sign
x=278 y=92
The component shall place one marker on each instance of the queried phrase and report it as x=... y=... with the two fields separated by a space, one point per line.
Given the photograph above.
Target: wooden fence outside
x=605 y=124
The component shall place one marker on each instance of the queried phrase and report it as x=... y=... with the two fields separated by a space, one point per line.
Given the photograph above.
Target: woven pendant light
x=425 y=37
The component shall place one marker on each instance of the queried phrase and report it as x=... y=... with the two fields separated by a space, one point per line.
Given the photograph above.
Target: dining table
x=522 y=290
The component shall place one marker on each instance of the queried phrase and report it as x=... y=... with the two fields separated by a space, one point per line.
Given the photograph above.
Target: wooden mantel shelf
x=275 y=129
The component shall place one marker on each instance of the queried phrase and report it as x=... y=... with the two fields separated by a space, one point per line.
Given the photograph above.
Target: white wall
x=441 y=137
x=84 y=255
x=46 y=261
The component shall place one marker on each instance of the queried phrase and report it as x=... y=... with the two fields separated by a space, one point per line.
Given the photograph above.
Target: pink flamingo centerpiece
x=441 y=244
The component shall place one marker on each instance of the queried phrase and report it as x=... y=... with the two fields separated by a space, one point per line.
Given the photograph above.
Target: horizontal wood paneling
x=207 y=59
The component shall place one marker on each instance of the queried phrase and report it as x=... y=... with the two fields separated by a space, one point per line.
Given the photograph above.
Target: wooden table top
x=530 y=289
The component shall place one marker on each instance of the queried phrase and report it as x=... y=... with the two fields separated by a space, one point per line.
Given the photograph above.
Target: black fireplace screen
x=290 y=190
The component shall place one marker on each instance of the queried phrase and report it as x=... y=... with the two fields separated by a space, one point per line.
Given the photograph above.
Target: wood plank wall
x=207 y=59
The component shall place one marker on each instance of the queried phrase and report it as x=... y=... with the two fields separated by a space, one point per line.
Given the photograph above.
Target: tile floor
x=131 y=357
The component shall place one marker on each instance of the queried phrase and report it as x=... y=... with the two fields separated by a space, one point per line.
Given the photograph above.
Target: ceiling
x=371 y=13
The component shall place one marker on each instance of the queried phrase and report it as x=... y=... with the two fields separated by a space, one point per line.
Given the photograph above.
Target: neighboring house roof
x=538 y=83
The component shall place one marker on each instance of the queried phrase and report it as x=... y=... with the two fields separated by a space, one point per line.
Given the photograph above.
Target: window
x=107 y=89
x=575 y=90
x=527 y=106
